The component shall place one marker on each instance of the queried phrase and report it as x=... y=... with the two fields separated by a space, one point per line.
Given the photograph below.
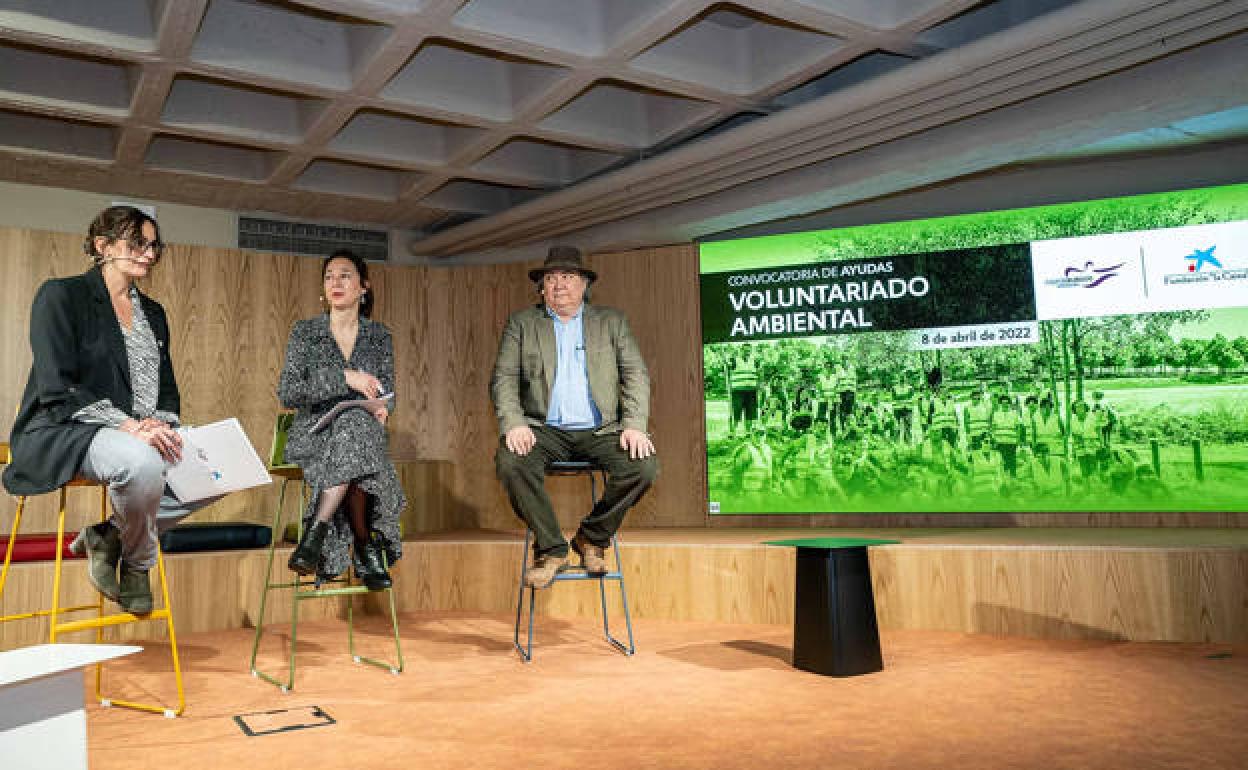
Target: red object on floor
x=41 y=547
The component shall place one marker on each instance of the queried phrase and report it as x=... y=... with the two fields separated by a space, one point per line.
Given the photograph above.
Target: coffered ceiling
x=484 y=124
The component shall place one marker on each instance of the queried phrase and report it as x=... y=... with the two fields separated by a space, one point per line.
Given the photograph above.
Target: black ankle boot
x=370 y=567
x=308 y=553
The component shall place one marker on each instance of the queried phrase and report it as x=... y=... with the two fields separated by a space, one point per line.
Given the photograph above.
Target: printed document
x=216 y=459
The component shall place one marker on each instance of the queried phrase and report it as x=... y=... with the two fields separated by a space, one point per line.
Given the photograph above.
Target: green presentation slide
x=1088 y=356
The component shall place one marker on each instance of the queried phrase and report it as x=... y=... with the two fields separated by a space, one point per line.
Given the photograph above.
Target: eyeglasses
x=140 y=245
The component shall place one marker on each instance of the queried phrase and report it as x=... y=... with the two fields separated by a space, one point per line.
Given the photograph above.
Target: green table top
x=832 y=542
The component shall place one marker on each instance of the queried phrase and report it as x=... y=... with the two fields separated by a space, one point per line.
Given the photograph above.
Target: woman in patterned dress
x=343 y=355
x=102 y=403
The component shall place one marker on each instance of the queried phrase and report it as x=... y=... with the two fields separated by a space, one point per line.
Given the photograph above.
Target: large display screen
x=1088 y=356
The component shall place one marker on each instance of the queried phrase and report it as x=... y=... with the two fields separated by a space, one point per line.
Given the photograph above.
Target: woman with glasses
x=101 y=403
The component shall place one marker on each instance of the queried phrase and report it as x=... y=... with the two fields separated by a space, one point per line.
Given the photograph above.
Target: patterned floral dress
x=353 y=447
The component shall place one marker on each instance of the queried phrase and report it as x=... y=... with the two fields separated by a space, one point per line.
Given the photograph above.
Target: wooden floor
x=1188 y=585
x=695 y=696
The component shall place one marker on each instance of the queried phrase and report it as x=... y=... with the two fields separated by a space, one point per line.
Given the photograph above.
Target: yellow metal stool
x=57 y=626
x=307 y=589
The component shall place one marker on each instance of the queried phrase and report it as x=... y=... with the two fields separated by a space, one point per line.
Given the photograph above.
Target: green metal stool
x=305 y=589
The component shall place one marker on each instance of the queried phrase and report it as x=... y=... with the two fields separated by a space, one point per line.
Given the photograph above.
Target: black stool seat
x=571 y=467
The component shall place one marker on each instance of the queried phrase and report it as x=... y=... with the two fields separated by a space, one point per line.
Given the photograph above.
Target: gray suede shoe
x=103 y=552
x=593 y=557
x=543 y=571
x=136 y=591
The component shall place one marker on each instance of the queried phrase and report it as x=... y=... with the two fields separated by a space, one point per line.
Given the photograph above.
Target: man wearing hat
x=569 y=383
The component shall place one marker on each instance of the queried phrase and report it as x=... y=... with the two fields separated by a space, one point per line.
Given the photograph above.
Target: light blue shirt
x=571 y=405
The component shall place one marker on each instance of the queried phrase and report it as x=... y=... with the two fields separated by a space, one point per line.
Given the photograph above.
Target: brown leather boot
x=593 y=558
x=543 y=571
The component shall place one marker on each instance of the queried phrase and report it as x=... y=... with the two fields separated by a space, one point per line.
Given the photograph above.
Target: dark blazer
x=79 y=357
x=524 y=371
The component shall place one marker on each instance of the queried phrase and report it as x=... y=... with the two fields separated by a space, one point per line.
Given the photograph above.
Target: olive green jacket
x=524 y=371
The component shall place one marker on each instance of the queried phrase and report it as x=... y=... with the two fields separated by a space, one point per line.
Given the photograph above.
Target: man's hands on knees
x=520 y=439
x=637 y=444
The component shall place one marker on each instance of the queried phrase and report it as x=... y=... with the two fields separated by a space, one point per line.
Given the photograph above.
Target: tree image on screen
x=1089 y=357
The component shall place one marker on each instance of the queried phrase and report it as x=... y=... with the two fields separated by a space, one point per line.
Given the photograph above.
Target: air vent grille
x=310 y=238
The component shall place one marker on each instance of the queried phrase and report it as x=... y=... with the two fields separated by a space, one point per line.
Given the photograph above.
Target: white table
x=43 y=722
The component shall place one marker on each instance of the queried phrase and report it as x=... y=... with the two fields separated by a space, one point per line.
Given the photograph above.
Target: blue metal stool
x=568 y=572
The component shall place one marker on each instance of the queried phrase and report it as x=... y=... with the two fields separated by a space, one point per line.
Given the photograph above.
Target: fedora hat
x=563 y=258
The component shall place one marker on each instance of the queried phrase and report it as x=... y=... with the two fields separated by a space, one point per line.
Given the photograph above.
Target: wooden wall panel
x=231 y=311
x=1197 y=594
x=1140 y=594
x=658 y=289
x=208 y=591
x=28 y=258
x=429 y=509
x=481 y=298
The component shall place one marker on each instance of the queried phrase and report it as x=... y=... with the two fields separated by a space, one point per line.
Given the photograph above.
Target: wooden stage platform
x=1185 y=585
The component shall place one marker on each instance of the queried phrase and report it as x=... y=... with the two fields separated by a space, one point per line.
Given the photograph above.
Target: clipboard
x=370 y=405
x=216 y=459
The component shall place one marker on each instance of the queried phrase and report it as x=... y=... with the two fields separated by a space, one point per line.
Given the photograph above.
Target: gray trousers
x=143 y=506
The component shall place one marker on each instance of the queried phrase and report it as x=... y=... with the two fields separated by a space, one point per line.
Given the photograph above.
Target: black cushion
x=214 y=536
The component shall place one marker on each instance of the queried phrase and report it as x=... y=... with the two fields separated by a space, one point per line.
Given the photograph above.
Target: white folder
x=216 y=459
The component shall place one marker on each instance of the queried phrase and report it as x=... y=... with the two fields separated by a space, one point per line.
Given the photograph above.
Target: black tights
x=357 y=507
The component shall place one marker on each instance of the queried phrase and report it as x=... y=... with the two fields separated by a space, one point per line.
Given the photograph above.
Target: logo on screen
x=1089 y=276
x=1201 y=257
x=1203 y=266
